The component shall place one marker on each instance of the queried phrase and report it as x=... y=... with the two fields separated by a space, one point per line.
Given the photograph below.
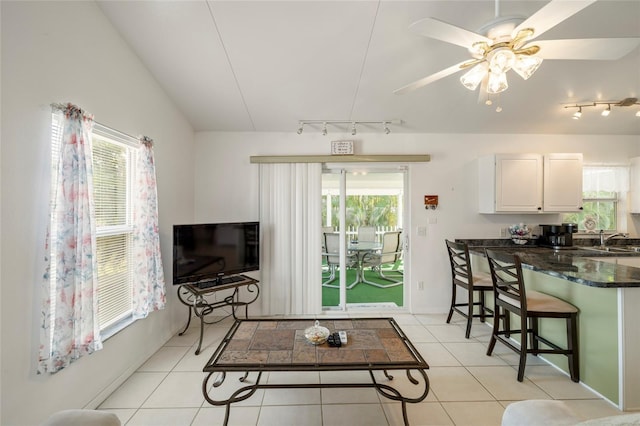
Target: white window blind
x=603 y=194
x=113 y=162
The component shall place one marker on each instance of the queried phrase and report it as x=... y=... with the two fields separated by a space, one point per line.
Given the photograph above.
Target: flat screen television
x=208 y=252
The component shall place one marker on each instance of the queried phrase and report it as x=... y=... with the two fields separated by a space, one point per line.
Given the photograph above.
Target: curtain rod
x=141 y=139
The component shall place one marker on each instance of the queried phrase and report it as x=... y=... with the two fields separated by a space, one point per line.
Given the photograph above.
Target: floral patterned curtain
x=70 y=307
x=148 y=284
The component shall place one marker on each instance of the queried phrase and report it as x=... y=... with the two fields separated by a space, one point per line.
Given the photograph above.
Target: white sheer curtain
x=148 y=282
x=612 y=178
x=70 y=326
x=290 y=223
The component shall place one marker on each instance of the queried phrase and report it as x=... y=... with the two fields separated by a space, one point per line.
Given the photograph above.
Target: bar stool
x=462 y=276
x=510 y=296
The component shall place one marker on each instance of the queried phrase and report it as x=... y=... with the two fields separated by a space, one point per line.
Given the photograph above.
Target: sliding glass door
x=363 y=240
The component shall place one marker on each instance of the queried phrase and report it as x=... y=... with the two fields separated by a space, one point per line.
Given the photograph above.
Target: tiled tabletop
x=276 y=344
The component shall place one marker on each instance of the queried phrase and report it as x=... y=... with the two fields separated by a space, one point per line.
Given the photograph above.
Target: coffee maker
x=557 y=236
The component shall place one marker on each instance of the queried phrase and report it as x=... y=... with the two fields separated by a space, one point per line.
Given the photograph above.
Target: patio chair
x=367 y=233
x=390 y=254
x=325 y=268
x=331 y=256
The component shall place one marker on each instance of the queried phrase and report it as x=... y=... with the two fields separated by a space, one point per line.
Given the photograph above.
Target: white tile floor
x=467 y=387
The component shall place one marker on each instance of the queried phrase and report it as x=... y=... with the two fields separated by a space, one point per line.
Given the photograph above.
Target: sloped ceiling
x=265 y=65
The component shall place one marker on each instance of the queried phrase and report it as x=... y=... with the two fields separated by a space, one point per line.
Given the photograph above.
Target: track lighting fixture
x=345 y=123
x=627 y=102
x=577 y=114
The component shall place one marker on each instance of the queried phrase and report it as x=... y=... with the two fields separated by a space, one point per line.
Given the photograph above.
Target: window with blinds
x=113 y=162
x=603 y=193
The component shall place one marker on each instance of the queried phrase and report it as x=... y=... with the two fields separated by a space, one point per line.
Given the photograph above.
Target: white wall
x=451 y=174
x=67 y=51
x=59 y=52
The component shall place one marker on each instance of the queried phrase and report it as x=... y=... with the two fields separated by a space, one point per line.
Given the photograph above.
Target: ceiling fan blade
x=587 y=48
x=429 y=79
x=551 y=15
x=439 y=30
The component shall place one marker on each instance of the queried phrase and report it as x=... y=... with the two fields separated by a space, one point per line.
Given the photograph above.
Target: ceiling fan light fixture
x=472 y=78
x=526 y=65
x=502 y=60
x=478 y=49
x=497 y=83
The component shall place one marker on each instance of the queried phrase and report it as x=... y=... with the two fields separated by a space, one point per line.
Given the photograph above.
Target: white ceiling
x=265 y=65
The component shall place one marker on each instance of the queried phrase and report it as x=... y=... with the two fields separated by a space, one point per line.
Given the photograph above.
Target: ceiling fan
x=506 y=43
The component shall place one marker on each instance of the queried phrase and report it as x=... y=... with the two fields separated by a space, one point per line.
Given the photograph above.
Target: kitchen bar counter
x=605 y=286
x=578 y=263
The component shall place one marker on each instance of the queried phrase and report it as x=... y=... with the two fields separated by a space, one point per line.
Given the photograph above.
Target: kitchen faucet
x=603 y=239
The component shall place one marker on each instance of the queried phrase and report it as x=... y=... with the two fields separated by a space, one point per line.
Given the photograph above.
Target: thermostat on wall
x=341 y=147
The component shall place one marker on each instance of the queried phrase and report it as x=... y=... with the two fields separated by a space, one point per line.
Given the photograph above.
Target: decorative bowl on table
x=520 y=241
x=316 y=334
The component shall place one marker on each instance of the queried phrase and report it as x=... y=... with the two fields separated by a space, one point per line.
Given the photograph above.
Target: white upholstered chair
x=81 y=417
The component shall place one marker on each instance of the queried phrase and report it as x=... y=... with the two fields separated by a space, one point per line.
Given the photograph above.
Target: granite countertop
x=577 y=263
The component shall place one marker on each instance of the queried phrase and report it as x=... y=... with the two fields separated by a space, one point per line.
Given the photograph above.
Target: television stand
x=202 y=285
x=194 y=296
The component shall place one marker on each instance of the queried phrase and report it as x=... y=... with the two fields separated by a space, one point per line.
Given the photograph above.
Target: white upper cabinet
x=634 y=184
x=562 y=182
x=530 y=183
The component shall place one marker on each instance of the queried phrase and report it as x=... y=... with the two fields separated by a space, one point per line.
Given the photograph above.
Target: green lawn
x=364 y=293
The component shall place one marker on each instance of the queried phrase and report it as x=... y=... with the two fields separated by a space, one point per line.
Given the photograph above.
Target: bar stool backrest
x=508 y=284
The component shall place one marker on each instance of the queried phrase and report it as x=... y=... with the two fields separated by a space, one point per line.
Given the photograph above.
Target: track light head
x=606 y=112
x=577 y=114
x=301 y=128
x=386 y=128
x=324 y=129
x=353 y=128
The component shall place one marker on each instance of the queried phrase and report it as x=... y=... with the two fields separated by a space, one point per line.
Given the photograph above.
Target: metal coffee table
x=263 y=345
